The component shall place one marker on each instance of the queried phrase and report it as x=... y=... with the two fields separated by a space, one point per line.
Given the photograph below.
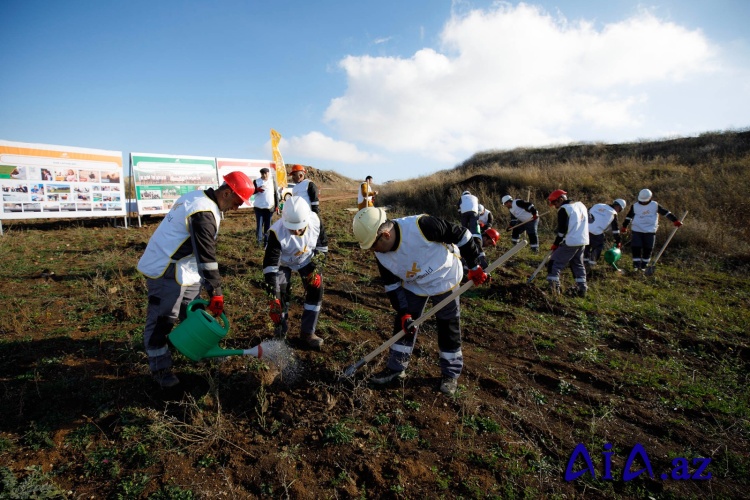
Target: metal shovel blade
x=650 y=270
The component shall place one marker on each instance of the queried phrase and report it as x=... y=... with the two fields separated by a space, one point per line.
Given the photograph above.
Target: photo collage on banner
x=251 y=168
x=47 y=181
x=160 y=179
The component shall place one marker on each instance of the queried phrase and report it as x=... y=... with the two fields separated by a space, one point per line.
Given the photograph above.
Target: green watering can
x=613 y=255
x=198 y=335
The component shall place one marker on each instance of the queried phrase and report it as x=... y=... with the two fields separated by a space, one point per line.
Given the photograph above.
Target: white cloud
x=316 y=145
x=516 y=76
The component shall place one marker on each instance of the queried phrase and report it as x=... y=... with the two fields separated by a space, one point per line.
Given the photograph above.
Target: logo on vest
x=301 y=252
x=413 y=272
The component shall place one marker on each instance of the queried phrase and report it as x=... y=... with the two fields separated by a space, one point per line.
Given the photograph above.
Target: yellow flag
x=278 y=160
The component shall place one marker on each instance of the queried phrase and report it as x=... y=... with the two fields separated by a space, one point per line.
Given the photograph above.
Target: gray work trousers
x=167 y=304
x=562 y=257
x=312 y=303
x=448 y=330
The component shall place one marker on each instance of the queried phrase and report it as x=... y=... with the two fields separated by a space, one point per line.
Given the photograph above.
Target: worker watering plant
x=601 y=218
x=419 y=258
x=180 y=259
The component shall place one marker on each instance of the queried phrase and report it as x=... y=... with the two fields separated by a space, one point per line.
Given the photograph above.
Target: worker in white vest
x=468 y=206
x=523 y=219
x=179 y=259
x=601 y=218
x=644 y=216
x=265 y=203
x=308 y=191
x=291 y=244
x=572 y=237
x=419 y=259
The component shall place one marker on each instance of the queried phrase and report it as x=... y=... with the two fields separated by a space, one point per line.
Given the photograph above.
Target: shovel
x=651 y=268
x=541 y=265
x=522 y=223
x=349 y=371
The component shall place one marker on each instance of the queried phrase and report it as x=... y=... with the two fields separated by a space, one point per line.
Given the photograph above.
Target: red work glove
x=259 y=189
x=216 y=305
x=553 y=247
x=274 y=311
x=313 y=279
x=407 y=324
x=535 y=217
x=677 y=223
x=619 y=245
x=623 y=230
x=477 y=275
x=481 y=224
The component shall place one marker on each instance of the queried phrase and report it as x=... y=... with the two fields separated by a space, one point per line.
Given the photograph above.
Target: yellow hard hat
x=366 y=224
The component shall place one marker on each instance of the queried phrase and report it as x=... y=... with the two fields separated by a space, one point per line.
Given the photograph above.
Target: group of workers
x=420 y=258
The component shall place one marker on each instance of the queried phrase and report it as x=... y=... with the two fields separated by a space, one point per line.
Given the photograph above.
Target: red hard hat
x=493 y=235
x=298 y=168
x=240 y=184
x=556 y=194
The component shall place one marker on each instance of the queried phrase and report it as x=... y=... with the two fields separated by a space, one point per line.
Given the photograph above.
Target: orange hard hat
x=493 y=235
x=556 y=195
x=298 y=168
x=240 y=184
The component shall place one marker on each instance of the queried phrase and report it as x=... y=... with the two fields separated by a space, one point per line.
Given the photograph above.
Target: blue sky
x=395 y=89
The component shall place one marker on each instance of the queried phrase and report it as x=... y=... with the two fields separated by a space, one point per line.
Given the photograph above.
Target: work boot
x=581 y=291
x=448 y=385
x=386 y=375
x=554 y=288
x=165 y=378
x=311 y=340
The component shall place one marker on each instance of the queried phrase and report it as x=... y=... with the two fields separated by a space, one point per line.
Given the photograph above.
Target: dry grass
x=707 y=176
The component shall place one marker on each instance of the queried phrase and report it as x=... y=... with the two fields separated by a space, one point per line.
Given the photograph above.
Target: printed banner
x=41 y=181
x=281 y=181
x=160 y=179
x=251 y=168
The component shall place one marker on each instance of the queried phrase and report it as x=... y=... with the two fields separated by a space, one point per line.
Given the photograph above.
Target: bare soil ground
x=79 y=410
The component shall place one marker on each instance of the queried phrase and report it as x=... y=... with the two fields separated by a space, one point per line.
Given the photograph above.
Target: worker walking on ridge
x=366 y=195
x=180 y=258
x=645 y=218
x=523 y=218
x=308 y=191
x=468 y=206
x=572 y=237
x=419 y=258
x=291 y=241
x=601 y=217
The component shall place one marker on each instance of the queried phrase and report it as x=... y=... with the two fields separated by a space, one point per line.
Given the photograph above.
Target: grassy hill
x=709 y=176
x=653 y=368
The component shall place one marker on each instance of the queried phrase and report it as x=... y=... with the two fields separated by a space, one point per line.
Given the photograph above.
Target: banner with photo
x=251 y=168
x=160 y=179
x=40 y=181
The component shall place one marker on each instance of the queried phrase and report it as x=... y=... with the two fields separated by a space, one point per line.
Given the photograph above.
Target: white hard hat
x=507 y=198
x=480 y=208
x=621 y=202
x=366 y=224
x=465 y=192
x=644 y=195
x=296 y=214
